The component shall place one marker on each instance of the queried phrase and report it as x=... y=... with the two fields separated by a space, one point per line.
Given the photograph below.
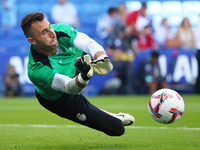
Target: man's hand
x=83 y=65
x=102 y=65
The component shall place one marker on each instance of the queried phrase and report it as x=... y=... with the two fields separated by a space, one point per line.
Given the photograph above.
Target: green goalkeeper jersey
x=41 y=69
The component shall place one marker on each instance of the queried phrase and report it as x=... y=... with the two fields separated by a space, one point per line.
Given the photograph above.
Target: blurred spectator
x=163 y=34
x=11 y=82
x=138 y=19
x=105 y=25
x=122 y=50
x=65 y=12
x=185 y=34
x=120 y=20
x=8 y=15
x=149 y=74
x=2 y=86
x=197 y=46
x=145 y=39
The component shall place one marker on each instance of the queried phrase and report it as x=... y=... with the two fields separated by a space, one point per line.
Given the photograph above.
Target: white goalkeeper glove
x=102 y=65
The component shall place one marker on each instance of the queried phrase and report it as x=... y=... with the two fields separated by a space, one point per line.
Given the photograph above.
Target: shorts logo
x=81 y=117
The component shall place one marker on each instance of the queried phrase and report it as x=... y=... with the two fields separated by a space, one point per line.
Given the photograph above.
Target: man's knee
x=116 y=129
x=120 y=131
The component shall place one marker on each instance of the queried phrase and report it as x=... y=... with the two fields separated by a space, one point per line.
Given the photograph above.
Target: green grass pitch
x=25 y=125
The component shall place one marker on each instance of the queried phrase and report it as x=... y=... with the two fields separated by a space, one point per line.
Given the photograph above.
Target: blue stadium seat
x=25 y=8
x=16 y=33
x=88 y=13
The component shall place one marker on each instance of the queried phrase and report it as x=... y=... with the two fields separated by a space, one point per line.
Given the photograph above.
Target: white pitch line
x=40 y=126
x=163 y=128
x=78 y=126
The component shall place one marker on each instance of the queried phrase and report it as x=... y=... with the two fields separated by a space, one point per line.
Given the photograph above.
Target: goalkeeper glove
x=84 y=67
x=102 y=65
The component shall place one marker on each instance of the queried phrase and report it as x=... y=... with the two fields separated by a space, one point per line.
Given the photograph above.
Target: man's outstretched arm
x=74 y=85
x=102 y=64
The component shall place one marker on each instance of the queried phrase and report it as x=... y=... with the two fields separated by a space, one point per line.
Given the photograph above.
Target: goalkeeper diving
x=60 y=67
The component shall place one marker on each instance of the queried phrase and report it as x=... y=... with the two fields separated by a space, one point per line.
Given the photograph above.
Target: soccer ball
x=166 y=106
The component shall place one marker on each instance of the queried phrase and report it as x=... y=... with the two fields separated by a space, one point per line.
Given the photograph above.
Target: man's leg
x=152 y=86
x=78 y=109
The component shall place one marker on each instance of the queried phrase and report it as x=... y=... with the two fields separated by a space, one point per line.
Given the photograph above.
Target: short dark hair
x=154 y=54
x=112 y=10
x=147 y=26
x=28 y=20
x=144 y=5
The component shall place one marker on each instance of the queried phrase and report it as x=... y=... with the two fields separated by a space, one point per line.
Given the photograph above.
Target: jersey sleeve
x=41 y=75
x=132 y=17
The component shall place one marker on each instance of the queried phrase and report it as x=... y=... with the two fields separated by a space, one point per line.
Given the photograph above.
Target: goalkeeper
x=55 y=55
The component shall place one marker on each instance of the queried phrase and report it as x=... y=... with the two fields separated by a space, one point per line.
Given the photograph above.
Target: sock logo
x=81 y=117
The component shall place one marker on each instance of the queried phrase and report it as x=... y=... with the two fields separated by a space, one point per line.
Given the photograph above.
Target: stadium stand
x=88 y=12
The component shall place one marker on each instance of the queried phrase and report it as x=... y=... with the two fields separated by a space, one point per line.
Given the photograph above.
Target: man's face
x=147 y=31
x=143 y=11
x=154 y=60
x=44 y=37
